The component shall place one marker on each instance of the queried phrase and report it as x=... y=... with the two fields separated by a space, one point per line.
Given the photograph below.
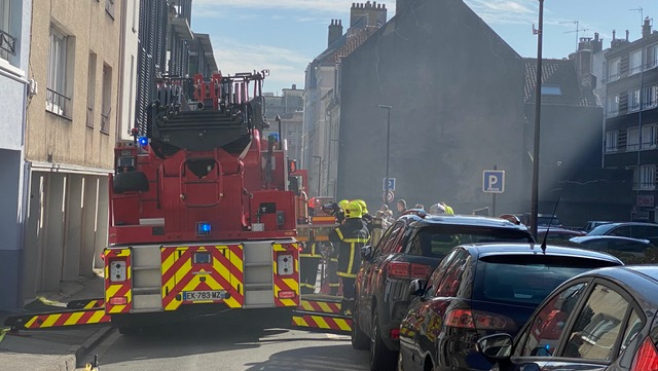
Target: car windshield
x=524 y=279
x=601 y=229
x=437 y=241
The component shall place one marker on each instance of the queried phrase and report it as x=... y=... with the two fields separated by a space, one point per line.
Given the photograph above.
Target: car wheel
x=360 y=340
x=381 y=358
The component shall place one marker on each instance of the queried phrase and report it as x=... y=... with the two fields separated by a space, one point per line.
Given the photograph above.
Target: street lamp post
x=388 y=146
x=319 y=172
x=535 y=158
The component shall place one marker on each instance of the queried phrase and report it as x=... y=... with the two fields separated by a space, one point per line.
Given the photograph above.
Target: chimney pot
x=614 y=35
x=646 y=28
x=294 y=87
x=627 y=33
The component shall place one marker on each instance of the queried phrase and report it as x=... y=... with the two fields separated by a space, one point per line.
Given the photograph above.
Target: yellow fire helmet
x=353 y=211
x=343 y=204
x=364 y=207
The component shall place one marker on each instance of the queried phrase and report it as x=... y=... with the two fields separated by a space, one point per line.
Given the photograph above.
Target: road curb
x=78 y=352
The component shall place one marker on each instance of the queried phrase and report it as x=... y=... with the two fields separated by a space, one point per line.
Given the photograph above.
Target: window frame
x=608 y=147
x=641 y=172
x=632 y=305
x=614 y=74
x=632 y=70
x=651 y=144
x=613 y=100
x=58 y=74
x=650 y=97
x=651 y=56
x=588 y=281
x=634 y=102
x=636 y=142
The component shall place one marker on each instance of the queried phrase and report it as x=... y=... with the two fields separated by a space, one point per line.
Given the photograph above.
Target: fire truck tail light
x=119 y=300
x=286 y=294
x=118 y=270
x=285 y=265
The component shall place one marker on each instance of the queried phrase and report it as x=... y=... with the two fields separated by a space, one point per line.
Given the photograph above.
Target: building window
x=650 y=97
x=611 y=140
x=613 y=105
x=632 y=139
x=635 y=61
x=613 y=69
x=106 y=107
x=644 y=177
x=634 y=100
x=57 y=99
x=551 y=90
x=91 y=89
x=7 y=42
x=652 y=56
x=649 y=136
x=109 y=7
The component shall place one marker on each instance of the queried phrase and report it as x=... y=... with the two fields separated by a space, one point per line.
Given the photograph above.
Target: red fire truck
x=201 y=218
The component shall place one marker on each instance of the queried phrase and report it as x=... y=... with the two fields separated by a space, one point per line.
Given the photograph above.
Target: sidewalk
x=53 y=350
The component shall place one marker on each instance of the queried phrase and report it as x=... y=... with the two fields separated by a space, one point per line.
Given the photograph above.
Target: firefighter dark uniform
x=332 y=263
x=349 y=238
x=308 y=266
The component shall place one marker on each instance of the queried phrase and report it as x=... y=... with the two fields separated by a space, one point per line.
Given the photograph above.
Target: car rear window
x=438 y=241
x=526 y=279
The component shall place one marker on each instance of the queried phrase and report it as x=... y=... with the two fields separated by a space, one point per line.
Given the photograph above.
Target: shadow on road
x=324 y=358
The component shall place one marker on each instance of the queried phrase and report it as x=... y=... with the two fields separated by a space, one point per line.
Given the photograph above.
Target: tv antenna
x=641 y=10
x=577 y=31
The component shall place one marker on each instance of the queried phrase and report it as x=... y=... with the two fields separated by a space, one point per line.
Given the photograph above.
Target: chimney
x=627 y=34
x=367 y=14
x=335 y=31
x=646 y=28
x=614 y=35
x=597 y=44
x=294 y=86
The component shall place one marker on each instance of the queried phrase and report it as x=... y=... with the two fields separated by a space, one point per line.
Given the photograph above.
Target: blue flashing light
x=203 y=228
x=548 y=347
x=143 y=141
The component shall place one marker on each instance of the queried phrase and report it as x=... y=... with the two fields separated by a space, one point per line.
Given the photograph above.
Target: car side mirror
x=496 y=347
x=366 y=252
x=416 y=288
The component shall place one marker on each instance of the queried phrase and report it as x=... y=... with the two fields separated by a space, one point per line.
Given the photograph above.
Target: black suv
x=411 y=249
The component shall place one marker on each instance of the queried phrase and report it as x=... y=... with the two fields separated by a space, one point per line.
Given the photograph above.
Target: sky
x=284 y=36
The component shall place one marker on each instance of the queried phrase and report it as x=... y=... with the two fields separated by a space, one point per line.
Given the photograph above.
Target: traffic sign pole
x=493 y=206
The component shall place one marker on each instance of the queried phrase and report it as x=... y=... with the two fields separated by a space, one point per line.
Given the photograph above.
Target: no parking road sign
x=493 y=181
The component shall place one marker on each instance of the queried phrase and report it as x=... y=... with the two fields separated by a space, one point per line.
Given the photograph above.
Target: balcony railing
x=7 y=44
x=57 y=103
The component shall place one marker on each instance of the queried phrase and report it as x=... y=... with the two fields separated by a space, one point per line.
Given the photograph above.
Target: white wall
x=128 y=70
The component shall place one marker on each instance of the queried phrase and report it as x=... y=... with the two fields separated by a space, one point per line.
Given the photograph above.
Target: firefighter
x=349 y=238
x=332 y=263
x=309 y=261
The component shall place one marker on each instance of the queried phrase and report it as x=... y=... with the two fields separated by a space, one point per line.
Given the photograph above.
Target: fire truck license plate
x=203 y=295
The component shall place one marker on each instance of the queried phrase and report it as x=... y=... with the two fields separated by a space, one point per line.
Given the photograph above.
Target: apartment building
x=15 y=18
x=631 y=123
x=75 y=61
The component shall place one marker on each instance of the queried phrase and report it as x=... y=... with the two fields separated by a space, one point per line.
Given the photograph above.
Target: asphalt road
x=235 y=342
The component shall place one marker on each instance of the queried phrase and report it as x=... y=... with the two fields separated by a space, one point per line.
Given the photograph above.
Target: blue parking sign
x=388 y=185
x=493 y=181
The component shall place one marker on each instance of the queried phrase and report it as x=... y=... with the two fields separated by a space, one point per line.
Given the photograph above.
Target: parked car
x=593 y=224
x=411 y=249
x=629 y=250
x=543 y=220
x=648 y=231
x=480 y=290
x=601 y=320
x=555 y=233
